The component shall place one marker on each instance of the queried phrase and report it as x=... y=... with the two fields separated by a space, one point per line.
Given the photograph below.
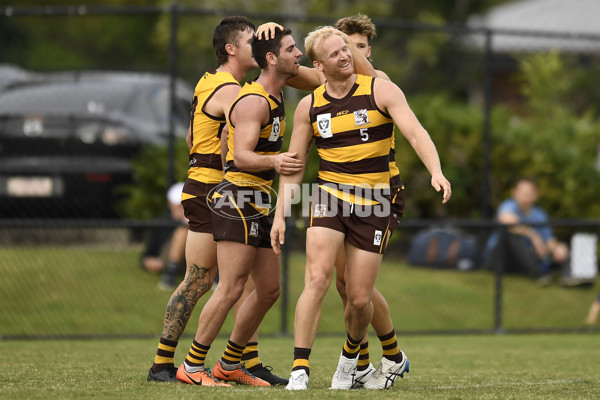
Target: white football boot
x=387 y=372
x=345 y=372
x=363 y=376
x=298 y=380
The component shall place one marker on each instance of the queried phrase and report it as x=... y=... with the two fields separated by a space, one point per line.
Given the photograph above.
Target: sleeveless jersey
x=205 y=154
x=353 y=139
x=269 y=141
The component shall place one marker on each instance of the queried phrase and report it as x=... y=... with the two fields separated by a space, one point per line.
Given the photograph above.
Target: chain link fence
x=89 y=147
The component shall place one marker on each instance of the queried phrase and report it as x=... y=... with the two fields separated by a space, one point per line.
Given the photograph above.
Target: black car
x=67 y=139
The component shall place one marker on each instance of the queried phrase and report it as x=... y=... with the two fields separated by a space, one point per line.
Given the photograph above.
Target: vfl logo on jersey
x=361 y=117
x=275 y=129
x=320 y=210
x=377 y=238
x=254 y=229
x=324 y=125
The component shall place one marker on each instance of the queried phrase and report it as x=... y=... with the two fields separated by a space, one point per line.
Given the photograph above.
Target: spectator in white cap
x=165 y=249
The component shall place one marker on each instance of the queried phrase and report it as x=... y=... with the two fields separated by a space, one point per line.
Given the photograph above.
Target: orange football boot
x=203 y=377
x=239 y=375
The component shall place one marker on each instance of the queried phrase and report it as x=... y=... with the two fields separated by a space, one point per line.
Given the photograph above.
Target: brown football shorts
x=197 y=209
x=365 y=227
x=236 y=216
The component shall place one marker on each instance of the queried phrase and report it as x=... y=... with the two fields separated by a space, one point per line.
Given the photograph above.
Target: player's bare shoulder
x=251 y=107
x=304 y=104
x=380 y=74
x=387 y=93
x=219 y=102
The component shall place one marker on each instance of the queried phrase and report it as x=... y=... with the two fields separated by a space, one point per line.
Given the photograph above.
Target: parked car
x=67 y=139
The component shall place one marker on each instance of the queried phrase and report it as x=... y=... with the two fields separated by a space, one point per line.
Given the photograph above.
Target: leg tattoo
x=197 y=281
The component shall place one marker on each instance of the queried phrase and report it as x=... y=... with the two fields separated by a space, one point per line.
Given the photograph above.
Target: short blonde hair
x=315 y=38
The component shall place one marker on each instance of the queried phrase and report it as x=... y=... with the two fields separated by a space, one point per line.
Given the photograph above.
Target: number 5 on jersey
x=364 y=135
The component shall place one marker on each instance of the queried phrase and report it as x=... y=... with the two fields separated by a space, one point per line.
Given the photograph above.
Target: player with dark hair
x=214 y=94
x=240 y=213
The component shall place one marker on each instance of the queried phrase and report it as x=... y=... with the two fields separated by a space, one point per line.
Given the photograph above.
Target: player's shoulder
x=224 y=96
x=382 y=75
x=379 y=81
x=386 y=89
x=252 y=103
x=305 y=103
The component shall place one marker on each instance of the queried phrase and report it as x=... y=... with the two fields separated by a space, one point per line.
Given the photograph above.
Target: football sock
x=232 y=355
x=194 y=361
x=301 y=355
x=351 y=347
x=363 y=357
x=389 y=345
x=250 y=357
x=164 y=355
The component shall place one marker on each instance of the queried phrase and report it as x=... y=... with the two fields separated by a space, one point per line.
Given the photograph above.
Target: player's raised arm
x=300 y=142
x=391 y=99
x=310 y=79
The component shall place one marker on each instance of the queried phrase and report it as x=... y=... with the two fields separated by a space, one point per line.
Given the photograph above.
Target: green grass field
x=553 y=366
x=101 y=291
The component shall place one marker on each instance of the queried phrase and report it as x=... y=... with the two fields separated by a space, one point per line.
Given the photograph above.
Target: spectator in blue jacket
x=527 y=246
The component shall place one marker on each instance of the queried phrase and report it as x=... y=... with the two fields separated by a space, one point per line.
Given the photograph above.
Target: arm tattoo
x=309 y=145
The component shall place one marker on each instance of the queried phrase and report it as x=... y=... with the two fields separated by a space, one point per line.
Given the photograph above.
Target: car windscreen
x=69 y=99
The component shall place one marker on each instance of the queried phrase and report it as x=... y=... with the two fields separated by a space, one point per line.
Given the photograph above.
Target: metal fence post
x=487 y=140
x=172 y=82
x=500 y=262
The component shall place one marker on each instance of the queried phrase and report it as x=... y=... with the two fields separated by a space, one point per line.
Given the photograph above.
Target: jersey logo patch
x=254 y=229
x=377 y=238
x=275 y=129
x=320 y=210
x=361 y=117
x=324 y=125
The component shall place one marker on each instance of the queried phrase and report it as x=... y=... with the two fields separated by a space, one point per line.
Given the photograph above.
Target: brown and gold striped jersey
x=353 y=138
x=205 y=154
x=269 y=141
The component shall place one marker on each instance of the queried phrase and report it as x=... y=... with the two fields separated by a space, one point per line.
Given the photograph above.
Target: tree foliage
x=553 y=135
x=550 y=138
x=555 y=140
x=145 y=198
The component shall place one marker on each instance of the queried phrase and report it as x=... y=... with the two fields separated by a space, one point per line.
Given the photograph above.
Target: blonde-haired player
x=351 y=119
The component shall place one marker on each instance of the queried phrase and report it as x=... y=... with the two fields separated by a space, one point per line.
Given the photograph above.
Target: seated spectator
x=522 y=248
x=165 y=248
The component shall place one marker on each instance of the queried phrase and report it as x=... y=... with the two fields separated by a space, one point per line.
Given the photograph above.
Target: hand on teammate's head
x=267 y=31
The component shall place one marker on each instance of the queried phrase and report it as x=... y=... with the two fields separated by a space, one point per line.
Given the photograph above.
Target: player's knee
x=318 y=285
x=230 y=294
x=340 y=285
x=359 y=302
x=270 y=296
